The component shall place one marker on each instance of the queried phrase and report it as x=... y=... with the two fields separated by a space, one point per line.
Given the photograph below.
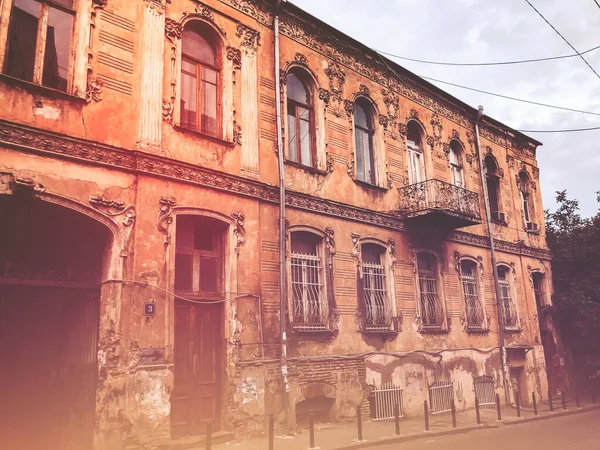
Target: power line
x=596 y=2
x=563 y=38
x=572 y=130
x=498 y=63
x=511 y=98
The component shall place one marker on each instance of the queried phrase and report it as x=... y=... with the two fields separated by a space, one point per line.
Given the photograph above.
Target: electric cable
x=597 y=4
x=563 y=38
x=495 y=63
x=572 y=130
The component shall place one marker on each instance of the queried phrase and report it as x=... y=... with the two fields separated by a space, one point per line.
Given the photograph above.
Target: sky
x=500 y=30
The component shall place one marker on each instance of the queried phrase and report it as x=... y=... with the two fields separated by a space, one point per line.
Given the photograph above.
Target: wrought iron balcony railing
x=440 y=198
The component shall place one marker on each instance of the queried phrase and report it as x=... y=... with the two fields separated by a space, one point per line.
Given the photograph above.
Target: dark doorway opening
x=50 y=272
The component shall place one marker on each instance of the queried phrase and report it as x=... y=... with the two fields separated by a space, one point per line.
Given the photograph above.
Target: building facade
x=142 y=287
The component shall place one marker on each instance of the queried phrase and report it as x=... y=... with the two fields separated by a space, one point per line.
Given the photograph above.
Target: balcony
x=435 y=203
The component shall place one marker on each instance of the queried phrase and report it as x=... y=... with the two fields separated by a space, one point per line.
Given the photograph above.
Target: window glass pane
x=183 y=272
x=188 y=101
x=304 y=243
x=203 y=238
x=360 y=155
x=65 y=3
x=22 y=36
x=492 y=186
x=209 y=113
x=305 y=137
x=371 y=253
x=413 y=133
x=292 y=133
x=209 y=274
x=58 y=46
x=197 y=47
x=296 y=90
x=366 y=137
x=360 y=116
x=188 y=66
x=185 y=234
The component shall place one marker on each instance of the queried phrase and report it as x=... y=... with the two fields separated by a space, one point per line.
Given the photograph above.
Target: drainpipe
x=282 y=227
x=486 y=198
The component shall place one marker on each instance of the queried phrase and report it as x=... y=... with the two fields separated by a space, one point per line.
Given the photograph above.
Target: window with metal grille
x=432 y=316
x=473 y=304
x=309 y=302
x=378 y=310
x=509 y=310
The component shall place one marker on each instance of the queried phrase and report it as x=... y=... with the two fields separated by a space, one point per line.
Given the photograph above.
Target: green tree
x=575 y=243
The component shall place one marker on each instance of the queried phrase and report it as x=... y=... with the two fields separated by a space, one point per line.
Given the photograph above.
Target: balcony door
x=416 y=174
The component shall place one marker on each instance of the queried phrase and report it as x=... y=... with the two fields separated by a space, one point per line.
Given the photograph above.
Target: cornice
x=33 y=140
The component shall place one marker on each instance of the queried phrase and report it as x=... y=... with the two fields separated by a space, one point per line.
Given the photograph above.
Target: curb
x=412 y=437
x=553 y=414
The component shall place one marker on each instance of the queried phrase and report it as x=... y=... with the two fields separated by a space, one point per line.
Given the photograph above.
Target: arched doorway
x=51 y=261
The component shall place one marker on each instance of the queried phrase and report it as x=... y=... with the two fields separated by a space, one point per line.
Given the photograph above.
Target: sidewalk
x=344 y=436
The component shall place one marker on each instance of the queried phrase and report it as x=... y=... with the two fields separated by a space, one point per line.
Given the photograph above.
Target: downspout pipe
x=505 y=375
x=282 y=221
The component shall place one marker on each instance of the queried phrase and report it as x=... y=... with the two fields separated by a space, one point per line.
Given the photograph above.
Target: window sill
x=534 y=232
x=477 y=330
x=307 y=331
x=512 y=329
x=309 y=169
x=381 y=332
x=41 y=90
x=368 y=185
x=208 y=137
x=433 y=330
x=503 y=223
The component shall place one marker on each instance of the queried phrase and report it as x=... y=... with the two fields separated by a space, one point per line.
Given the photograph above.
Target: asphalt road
x=574 y=432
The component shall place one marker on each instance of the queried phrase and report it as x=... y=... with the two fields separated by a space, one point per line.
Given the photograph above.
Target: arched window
x=363 y=135
x=414 y=144
x=309 y=300
x=456 y=167
x=492 y=181
x=509 y=308
x=539 y=289
x=200 y=80
x=300 y=114
x=430 y=303
x=472 y=293
x=373 y=288
x=524 y=193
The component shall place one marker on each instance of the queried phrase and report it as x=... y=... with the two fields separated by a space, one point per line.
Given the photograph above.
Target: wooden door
x=196 y=397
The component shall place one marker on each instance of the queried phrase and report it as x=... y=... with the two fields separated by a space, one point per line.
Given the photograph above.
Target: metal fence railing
x=386 y=398
x=441 y=396
x=485 y=391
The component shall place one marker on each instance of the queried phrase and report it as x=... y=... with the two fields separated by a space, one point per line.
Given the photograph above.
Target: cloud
x=480 y=30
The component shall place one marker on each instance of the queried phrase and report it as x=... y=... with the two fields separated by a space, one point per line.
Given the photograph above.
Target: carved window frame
x=300 y=69
x=389 y=256
x=479 y=280
x=325 y=251
x=511 y=281
x=80 y=36
x=230 y=62
x=411 y=177
x=455 y=147
x=496 y=177
x=444 y=327
x=526 y=198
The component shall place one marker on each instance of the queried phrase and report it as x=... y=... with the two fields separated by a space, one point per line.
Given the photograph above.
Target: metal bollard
x=518 y=402
x=453 y=408
x=397 y=418
x=271 y=431
x=311 y=430
x=359 y=423
x=208 y=435
x=426 y=411
x=564 y=400
x=535 y=411
x=498 y=409
x=477 y=414
x=550 y=401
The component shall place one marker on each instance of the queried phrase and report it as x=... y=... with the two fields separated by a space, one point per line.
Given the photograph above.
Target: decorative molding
x=364 y=90
x=235 y=56
x=350 y=166
x=436 y=126
x=391 y=242
x=237 y=133
x=173 y=30
x=250 y=38
x=113 y=208
x=165 y=217
x=413 y=114
x=392 y=103
x=330 y=244
x=300 y=59
x=356 y=255
x=324 y=95
x=204 y=11
x=99 y=3
x=239 y=230
x=535 y=172
x=329 y=162
x=167 y=110
x=337 y=78
x=349 y=107
x=262 y=12
x=95 y=87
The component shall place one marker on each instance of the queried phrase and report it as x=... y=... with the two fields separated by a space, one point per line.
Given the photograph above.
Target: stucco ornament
x=249 y=38
x=173 y=30
x=239 y=230
x=235 y=56
x=94 y=90
x=114 y=208
x=165 y=216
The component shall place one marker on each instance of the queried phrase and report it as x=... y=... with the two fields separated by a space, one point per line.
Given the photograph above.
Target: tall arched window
x=200 y=80
x=414 y=144
x=539 y=289
x=363 y=135
x=458 y=176
x=509 y=307
x=373 y=288
x=472 y=293
x=300 y=115
x=492 y=181
x=430 y=303
x=524 y=193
